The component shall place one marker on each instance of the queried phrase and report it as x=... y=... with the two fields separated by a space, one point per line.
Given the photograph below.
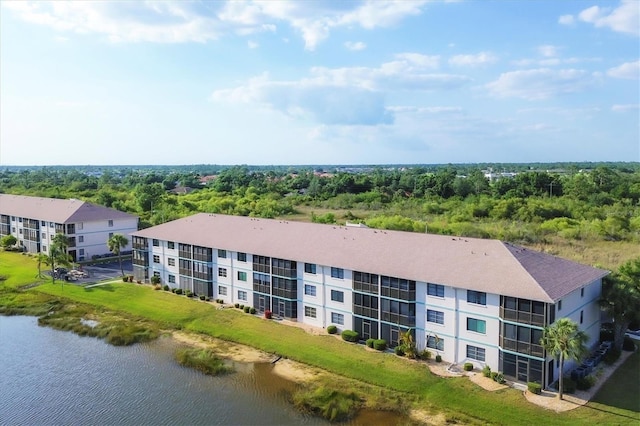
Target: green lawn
x=458 y=397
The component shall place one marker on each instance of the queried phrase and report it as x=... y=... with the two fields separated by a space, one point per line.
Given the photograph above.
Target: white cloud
x=566 y=20
x=625 y=107
x=625 y=18
x=179 y=22
x=357 y=45
x=482 y=58
x=542 y=83
x=252 y=44
x=548 y=51
x=628 y=71
x=348 y=96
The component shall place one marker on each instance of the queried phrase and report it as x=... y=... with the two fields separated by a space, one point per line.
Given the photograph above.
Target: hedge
x=534 y=387
x=350 y=336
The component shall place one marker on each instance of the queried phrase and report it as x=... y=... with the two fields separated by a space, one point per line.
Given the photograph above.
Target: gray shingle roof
x=491 y=266
x=57 y=210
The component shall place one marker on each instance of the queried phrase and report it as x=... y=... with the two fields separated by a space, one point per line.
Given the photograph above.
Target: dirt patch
x=486 y=383
x=294 y=371
x=426 y=418
x=229 y=350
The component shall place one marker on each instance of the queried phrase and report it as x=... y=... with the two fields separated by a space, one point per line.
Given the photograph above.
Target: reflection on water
x=52 y=377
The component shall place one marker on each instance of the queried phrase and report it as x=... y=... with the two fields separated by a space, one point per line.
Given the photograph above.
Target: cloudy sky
x=319 y=82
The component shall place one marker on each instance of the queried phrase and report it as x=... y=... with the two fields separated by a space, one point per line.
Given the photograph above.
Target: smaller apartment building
x=35 y=220
x=470 y=300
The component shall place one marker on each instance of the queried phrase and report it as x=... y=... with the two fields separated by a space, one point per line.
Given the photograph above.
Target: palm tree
x=40 y=258
x=408 y=344
x=117 y=242
x=563 y=339
x=621 y=299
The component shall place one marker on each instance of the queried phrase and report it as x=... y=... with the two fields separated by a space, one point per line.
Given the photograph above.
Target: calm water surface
x=51 y=377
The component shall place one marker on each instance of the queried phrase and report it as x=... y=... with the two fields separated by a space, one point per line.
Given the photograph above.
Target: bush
x=166 y=287
x=203 y=297
x=380 y=344
x=350 y=336
x=241 y=306
x=202 y=360
x=494 y=374
x=612 y=356
x=486 y=371
x=173 y=290
x=332 y=329
x=246 y=309
x=425 y=354
x=252 y=311
x=178 y=291
x=155 y=280
x=438 y=358
x=369 y=342
x=125 y=278
x=237 y=305
x=569 y=385
x=399 y=350
x=534 y=387
x=499 y=378
x=189 y=293
x=585 y=383
x=157 y=287
x=628 y=345
x=468 y=366
x=268 y=314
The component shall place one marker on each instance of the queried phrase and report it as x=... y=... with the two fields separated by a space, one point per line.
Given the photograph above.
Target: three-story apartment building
x=35 y=220
x=470 y=300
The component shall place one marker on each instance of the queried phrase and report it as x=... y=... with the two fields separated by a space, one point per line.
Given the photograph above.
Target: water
x=51 y=377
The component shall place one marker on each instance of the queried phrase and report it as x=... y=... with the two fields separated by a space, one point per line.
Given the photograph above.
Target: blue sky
x=319 y=82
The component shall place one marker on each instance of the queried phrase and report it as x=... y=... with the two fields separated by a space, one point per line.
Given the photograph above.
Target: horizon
x=276 y=83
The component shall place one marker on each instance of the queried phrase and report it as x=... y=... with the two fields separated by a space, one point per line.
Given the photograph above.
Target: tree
x=563 y=339
x=7 y=241
x=40 y=258
x=621 y=298
x=408 y=344
x=115 y=243
x=58 y=254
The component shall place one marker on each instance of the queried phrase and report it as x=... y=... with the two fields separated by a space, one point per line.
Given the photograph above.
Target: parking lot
x=98 y=272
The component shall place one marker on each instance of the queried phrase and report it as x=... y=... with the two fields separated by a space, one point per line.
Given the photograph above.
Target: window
x=476 y=297
x=581 y=316
x=51 y=225
x=79 y=226
x=44 y=236
x=171 y=245
x=337 y=296
x=310 y=268
x=474 y=352
x=44 y=249
x=156 y=243
x=242 y=276
x=337 y=318
x=582 y=292
x=435 y=290
x=110 y=234
x=81 y=253
x=156 y=258
x=172 y=279
x=435 y=316
x=479 y=326
x=309 y=312
x=81 y=239
x=242 y=257
x=242 y=295
x=435 y=342
x=337 y=273
x=222 y=272
x=309 y=290
x=222 y=290
x=222 y=254
x=559 y=305
x=110 y=222
x=43 y=223
x=171 y=261
x=156 y=274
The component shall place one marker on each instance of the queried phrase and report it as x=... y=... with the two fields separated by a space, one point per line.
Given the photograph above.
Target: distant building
x=470 y=300
x=35 y=220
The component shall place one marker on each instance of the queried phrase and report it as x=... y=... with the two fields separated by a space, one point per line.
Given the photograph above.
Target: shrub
x=241 y=306
x=332 y=329
x=178 y=291
x=628 y=345
x=157 y=287
x=189 y=293
x=612 y=356
x=131 y=279
x=425 y=354
x=569 y=385
x=399 y=350
x=202 y=360
x=268 y=314
x=534 y=387
x=173 y=290
x=155 y=280
x=252 y=311
x=438 y=358
x=246 y=309
x=380 y=344
x=203 y=297
x=468 y=366
x=369 y=342
x=166 y=287
x=237 y=305
x=494 y=374
x=499 y=378
x=350 y=336
x=486 y=371
x=125 y=278
x=139 y=281
x=585 y=383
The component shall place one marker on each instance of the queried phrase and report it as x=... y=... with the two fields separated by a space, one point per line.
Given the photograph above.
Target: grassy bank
x=458 y=398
